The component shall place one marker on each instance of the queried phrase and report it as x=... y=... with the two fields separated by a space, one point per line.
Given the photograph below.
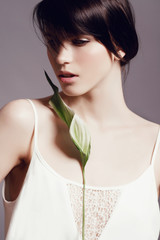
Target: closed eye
x=80 y=42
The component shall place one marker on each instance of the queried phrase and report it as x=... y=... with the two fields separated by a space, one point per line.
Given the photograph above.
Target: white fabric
x=99 y=205
x=46 y=209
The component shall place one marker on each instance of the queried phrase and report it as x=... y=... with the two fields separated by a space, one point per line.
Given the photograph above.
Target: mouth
x=67 y=77
x=66 y=74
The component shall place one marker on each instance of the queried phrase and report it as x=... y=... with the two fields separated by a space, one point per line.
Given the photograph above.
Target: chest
x=115 y=158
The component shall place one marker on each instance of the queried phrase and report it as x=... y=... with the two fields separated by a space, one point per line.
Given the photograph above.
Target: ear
x=121 y=53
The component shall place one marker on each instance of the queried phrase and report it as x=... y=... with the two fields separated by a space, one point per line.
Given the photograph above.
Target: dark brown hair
x=109 y=21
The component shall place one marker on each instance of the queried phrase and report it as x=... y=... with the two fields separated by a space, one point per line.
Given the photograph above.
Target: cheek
x=97 y=54
x=95 y=59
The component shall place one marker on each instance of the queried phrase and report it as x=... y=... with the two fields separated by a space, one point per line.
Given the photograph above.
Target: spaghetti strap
x=155 y=149
x=35 y=122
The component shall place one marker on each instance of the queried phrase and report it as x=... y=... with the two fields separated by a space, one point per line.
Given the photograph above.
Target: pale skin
x=122 y=141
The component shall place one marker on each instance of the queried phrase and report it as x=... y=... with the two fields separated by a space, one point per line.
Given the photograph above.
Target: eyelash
x=76 y=42
x=79 y=42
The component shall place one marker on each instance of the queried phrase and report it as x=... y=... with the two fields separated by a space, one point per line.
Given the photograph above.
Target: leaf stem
x=83 y=217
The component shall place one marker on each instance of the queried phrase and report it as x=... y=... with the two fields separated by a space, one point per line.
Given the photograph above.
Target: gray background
x=23 y=58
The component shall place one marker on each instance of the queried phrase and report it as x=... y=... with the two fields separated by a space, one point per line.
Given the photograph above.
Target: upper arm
x=16 y=128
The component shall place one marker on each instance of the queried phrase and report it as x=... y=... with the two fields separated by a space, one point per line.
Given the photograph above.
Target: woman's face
x=80 y=64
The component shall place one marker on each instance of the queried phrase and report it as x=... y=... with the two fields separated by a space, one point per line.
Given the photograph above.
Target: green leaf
x=57 y=103
x=54 y=87
x=62 y=110
x=81 y=138
x=77 y=128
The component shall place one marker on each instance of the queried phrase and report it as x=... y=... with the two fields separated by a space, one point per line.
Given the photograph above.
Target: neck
x=104 y=104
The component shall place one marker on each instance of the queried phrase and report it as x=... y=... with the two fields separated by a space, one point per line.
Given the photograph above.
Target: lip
x=67 y=79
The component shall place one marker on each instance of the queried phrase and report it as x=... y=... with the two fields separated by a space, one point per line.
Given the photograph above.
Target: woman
x=88 y=45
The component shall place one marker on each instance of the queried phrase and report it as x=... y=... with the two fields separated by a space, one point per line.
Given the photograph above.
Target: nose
x=65 y=54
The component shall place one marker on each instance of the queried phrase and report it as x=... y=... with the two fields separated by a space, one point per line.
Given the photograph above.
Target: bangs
x=110 y=22
x=62 y=20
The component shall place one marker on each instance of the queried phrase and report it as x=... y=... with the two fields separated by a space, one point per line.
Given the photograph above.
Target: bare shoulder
x=16 y=129
x=18 y=115
x=46 y=115
x=141 y=122
x=17 y=111
x=151 y=137
x=148 y=129
x=16 y=119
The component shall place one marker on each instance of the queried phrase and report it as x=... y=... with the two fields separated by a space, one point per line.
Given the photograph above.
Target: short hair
x=111 y=22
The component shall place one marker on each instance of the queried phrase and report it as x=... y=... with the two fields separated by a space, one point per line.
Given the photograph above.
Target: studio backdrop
x=23 y=58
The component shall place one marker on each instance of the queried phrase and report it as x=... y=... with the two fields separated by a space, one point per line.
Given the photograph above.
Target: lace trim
x=99 y=206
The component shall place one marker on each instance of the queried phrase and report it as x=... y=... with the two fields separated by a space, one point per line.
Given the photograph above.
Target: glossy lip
x=67 y=79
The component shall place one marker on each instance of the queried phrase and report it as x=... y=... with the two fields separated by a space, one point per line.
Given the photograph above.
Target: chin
x=70 y=92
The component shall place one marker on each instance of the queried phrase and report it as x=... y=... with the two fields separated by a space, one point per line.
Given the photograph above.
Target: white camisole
x=49 y=206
